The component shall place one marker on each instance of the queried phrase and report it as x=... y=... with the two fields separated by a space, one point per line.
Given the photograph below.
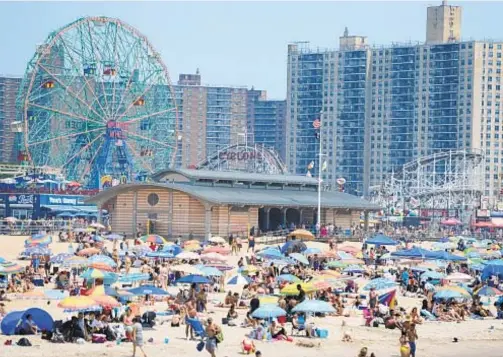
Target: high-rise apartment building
x=212 y=118
x=9 y=88
x=382 y=107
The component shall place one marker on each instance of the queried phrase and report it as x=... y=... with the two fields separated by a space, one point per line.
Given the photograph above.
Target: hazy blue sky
x=236 y=43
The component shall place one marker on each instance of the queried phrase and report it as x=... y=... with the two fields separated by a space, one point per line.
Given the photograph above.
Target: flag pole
x=318 y=217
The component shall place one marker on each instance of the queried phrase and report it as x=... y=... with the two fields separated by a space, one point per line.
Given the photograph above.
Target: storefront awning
x=88 y=209
x=60 y=208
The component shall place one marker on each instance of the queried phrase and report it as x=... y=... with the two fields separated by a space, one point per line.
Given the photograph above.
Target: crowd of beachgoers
x=233 y=295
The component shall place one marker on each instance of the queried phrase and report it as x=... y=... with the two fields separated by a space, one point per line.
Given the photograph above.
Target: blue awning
x=88 y=209
x=61 y=208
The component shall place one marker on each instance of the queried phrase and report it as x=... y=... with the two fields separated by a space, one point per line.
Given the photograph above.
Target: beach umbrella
x=78 y=303
x=355 y=269
x=185 y=268
x=148 y=290
x=133 y=278
x=65 y=215
x=291 y=289
x=93 y=274
x=115 y=292
x=348 y=249
x=75 y=262
x=191 y=242
x=459 y=277
x=192 y=248
x=104 y=259
x=217 y=240
x=337 y=264
x=153 y=238
x=101 y=266
x=10 y=219
x=218 y=250
x=160 y=254
x=38 y=236
x=60 y=258
x=80 y=230
x=488 y=291
x=288 y=278
x=114 y=236
x=173 y=249
x=38 y=242
x=2 y=260
x=213 y=257
x=299 y=257
x=314 y=306
x=248 y=269
x=312 y=251
x=187 y=256
x=238 y=279
x=89 y=252
x=320 y=283
x=380 y=284
x=293 y=246
x=209 y=271
x=381 y=239
x=415 y=252
x=38 y=250
x=10 y=268
x=432 y=275
x=268 y=311
x=270 y=253
x=193 y=279
x=302 y=234
x=268 y=299
x=451 y=292
x=99 y=295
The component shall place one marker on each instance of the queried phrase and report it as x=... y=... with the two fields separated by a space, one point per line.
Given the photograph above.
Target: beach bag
x=200 y=346
x=220 y=337
x=98 y=338
x=225 y=321
x=24 y=342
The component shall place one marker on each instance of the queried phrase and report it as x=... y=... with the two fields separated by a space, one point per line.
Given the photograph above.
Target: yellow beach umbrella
x=291 y=289
x=75 y=303
x=268 y=299
x=454 y=288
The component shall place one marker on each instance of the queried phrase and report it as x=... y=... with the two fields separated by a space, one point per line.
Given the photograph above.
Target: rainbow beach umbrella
x=153 y=238
x=10 y=268
x=488 y=291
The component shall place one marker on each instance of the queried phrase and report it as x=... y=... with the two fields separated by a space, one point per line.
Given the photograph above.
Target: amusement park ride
x=96 y=102
x=448 y=184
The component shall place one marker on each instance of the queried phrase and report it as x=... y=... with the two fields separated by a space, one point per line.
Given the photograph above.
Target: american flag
x=316 y=123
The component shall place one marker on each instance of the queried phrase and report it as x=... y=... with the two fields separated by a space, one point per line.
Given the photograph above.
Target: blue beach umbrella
x=268 y=311
x=114 y=236
x=38 y=250
x=358 y=269
x=380 y=284
x=161 y=254
x=270 y=253
x=432 y=275
x=193 y=279
x=310 y=251
x=299 y=257
x=314 y=306
x=134 y=277
x=209 y=271
x=102 y=259
x=288 y=278
x=238 y=280
x=147 y=290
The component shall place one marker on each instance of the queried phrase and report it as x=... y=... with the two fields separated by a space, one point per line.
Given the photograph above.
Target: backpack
x=24 y=342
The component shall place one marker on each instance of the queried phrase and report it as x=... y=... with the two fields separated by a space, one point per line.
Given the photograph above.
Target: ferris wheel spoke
x=96 y=52
x=70 y=91
x=63 y=137
x=84 y=148
x=148 y=139
x=148 y=166
x=90 y=163
x=71 y=115
x=129 y=82
x=136 y=99
x=86 y=81
x=150 y=115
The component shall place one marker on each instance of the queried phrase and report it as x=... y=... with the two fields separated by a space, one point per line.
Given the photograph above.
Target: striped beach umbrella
x=153 y=238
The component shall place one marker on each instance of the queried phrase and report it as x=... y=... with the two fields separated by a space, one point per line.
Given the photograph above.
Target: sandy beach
x=480 y=337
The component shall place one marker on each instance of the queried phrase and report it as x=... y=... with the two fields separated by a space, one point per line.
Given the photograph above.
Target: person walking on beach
x=412 y=336
x=137 y=337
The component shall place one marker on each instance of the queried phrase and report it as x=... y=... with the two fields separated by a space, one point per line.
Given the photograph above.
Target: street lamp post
x=320 y=154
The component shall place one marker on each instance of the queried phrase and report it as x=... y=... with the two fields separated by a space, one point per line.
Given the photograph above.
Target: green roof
x=243 y=196
x=237 y=176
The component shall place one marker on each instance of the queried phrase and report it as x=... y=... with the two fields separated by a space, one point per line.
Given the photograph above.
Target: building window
x=153 y=199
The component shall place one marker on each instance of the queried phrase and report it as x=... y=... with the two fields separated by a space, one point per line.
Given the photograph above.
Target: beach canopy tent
x=414 y=253
x=15 y=319
x=443 y=255
x=492 y=269
x=381 y=239
x=293 y=246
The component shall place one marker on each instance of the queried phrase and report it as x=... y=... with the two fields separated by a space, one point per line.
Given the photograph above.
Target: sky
x=236 y=43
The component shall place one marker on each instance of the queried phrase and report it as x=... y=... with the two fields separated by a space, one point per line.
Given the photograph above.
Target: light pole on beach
x=320 y=169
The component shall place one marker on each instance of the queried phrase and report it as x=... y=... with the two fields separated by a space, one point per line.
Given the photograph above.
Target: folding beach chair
x=301 y=325
x=197 y=327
